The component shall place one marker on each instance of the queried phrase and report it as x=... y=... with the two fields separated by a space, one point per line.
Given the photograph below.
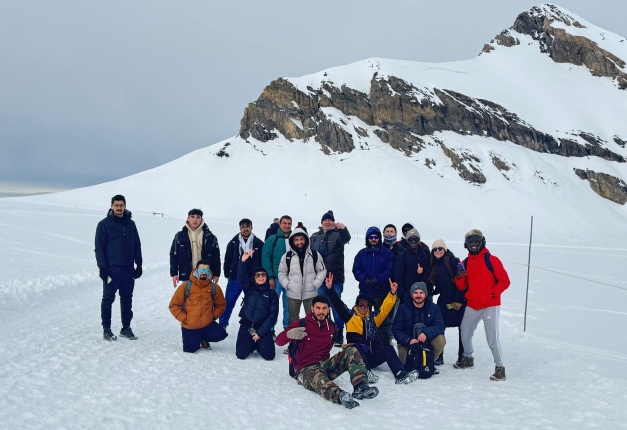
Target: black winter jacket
x=181 y=253
x=117 y=241
x=406 y=266
x=274 y=227
x=232 y=257
x=331 y=246
x=448 y=292
x=260 y=308
x=408 y=315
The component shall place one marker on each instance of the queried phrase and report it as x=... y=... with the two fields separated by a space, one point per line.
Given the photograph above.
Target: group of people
x=291 y=269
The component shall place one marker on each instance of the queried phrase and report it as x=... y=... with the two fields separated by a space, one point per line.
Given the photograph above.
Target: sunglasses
x=439 y=248
x=260 y=275
x=473 y=241
x=363 y=304
x=373 y=237
x=413 y=240
x=201 y=271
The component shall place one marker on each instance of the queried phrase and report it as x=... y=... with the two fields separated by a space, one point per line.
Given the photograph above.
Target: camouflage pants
x=318 y=377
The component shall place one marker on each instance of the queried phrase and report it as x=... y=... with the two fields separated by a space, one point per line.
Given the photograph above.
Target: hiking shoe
x=372 y=378
x=439 y=361
x=205 y=345
x=128 y=333
x=108 y=335
x=346 y=400
x=286 y=351
x=436 y=371
x=499 y=374
x=363 y=391
x=465 y=363
x=405 y=377
x=340 y=340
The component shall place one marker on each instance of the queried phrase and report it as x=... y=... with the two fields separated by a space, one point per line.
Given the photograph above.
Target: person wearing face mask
x=197 y=304
x=390 y=239
x=484 y=279
x=451 y=301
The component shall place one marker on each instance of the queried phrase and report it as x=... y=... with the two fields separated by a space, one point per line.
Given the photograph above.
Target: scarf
x=246 y=245
x=389 y=239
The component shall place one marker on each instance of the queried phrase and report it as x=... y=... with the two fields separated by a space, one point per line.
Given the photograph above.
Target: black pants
x=383 y=354
x=122 y=281
x=245 y=344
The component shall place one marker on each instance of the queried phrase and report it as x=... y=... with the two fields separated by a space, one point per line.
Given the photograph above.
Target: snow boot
x=439 y=361
x=405 y=377
x=205 y=345
x=372 y=378
x=363 y=391
x=465 y=363
x=108 y=335
x=346 y=400
x=499 y=374
x=340 y=340
x=128 y=333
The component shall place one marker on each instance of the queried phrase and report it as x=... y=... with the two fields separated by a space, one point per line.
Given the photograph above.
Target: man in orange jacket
x=199 y=312
x=484 y=279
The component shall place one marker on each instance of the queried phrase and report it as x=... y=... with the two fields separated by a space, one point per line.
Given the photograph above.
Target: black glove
x=138 y=272
x=371 y=282
x=104 y=273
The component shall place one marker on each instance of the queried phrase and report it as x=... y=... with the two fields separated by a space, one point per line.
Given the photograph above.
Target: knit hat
x=259 y=270
x=328 y=215
x=412 y=233
x=418 y=286
x=439 y=243
x=473 y=232
x=407 y=226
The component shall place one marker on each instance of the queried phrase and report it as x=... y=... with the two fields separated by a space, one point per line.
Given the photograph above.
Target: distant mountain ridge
x=409 y=106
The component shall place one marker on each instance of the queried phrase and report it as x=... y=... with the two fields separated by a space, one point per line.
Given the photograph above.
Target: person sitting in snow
x=199 y=312
x=313 y=366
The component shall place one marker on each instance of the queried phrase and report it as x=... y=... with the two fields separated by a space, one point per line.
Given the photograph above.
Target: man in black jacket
x=329 y=241
x=242 y=242
x=193 y=243
x=412 y=263
x=118 y=250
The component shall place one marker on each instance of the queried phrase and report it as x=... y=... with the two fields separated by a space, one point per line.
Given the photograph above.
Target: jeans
x=233 y=291
x=282 y=294
x=384 y=354
x=121 y=281
x=339 y=288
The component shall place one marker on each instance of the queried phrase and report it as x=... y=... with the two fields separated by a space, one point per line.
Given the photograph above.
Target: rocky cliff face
x=401 y=115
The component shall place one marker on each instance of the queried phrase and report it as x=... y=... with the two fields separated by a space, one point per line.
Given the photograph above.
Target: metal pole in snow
x=528 y=269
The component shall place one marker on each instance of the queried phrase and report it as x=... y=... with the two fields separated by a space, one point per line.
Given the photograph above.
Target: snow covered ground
x=567 y=371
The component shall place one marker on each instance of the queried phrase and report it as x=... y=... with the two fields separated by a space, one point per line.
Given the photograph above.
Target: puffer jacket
x=444 y=287
x=302 y=283
x=374 y=263
x=117 y=241
x=273 y=249
x=406 y=266
x=181 y=253
x=260 y=308
x=331 y=246
x=408 y=315
x=483 y=290
x=200 y=308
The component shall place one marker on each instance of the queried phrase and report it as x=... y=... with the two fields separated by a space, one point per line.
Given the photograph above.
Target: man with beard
x=241 y=243
x=118 y=249
x=412 y=263
x=329 y=241
x=193 y=243
x=274 y=248
x=313 y=366
x=484 y=279
x=199 y=311
x=418 y=320
x=301 y=272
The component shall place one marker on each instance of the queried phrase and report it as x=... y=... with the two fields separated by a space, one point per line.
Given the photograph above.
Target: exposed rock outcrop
x=607 y=186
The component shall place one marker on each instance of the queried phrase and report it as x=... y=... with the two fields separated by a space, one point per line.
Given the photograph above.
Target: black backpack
x=420 y=358
x=288 y=259
x=488 y=263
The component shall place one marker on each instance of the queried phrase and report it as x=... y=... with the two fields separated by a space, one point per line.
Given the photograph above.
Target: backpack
x=488 y=263
x=189 y=287
x=291 y=351
x=420 y=358
x=290 y=253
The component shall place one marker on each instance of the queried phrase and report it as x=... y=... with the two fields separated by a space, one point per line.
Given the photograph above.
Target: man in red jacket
x=484 y=278
x=313 y=366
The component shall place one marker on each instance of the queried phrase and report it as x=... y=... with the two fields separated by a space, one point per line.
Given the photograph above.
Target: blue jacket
x=374 y=263
x=181 y=253
x=260 y=307
x=232 y=257
x=408 y=315
x=117 y=241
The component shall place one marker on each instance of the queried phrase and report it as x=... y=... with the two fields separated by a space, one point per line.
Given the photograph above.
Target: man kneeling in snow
x=197 y=304
x=314 y=369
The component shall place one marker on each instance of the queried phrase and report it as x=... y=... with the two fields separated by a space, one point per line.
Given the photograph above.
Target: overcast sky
x=94 y=91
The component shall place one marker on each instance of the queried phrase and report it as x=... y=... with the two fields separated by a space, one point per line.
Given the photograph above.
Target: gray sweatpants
x=490 y=317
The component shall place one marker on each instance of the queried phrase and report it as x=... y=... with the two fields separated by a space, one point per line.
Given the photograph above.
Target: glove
x=296 y=333
x=371 y=282
x=138 y=272
x=104 y=273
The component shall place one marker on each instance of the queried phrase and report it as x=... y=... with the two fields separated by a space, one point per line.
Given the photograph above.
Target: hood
x=260 y=269
x=372 y=230
x=296 y=232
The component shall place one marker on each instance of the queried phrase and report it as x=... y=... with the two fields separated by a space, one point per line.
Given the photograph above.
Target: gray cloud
x=94 y=91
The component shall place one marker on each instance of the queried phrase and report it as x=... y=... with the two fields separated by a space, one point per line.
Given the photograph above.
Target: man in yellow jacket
x=198 y=304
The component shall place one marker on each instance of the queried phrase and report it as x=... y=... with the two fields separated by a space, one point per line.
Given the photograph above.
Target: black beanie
x=328 y=215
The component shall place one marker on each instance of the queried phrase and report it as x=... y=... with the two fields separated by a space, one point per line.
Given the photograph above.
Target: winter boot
x=128 y=333
x=465 y=363
x=340 y=340
x=363 y=391
x=108 y=335
x=499 y=374
x=440 y=360
x=404 y=377
x=372 y=378
x=346 y=400
x=205 y=345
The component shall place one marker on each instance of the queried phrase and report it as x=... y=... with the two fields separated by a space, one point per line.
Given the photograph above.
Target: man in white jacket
x=301 y=272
